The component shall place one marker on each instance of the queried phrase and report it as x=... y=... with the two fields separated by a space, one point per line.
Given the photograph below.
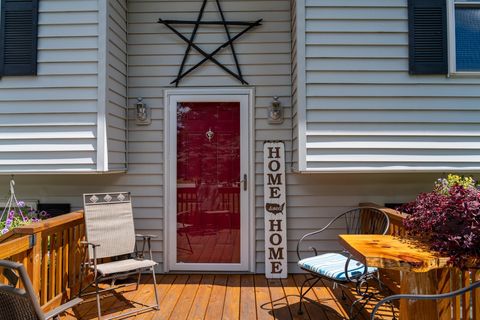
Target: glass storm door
x=211 y=185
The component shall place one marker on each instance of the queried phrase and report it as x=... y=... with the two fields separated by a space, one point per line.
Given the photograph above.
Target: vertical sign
x=275 y=210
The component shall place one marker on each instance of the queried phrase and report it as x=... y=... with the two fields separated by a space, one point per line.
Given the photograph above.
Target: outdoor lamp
x=142 y=113
x=275 y=112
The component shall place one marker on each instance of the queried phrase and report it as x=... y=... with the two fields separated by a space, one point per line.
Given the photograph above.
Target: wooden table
x=419 y=267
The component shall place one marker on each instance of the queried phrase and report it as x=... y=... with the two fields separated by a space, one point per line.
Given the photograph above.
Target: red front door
x=208 y=182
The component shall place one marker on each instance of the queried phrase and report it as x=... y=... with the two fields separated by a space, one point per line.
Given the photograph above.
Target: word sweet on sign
x=275 y=211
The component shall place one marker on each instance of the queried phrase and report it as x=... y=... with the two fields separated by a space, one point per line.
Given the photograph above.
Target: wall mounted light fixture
x=142 y=113
x=275 y=112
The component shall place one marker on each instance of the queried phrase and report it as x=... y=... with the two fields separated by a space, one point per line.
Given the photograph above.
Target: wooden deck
x=219 y=297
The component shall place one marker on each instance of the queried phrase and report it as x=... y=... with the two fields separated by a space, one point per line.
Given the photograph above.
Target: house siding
x=364 y=112
x=71 y=116
x=295 y=80
x=48 y=122
x=312 y=200
x=153 y=54
x=116 y=77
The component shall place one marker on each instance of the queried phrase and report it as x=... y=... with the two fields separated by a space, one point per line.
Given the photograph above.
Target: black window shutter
x=18 y=37
x=428 y=45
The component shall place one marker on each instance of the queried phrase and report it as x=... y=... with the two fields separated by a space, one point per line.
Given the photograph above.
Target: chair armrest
x=86 y=243
x=10 y=264
x=347 y=264
x=146 y=241
x=139 y=235
x=64 y=307
x=299 y=243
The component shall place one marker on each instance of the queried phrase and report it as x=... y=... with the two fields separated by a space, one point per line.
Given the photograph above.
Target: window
x=464 y=36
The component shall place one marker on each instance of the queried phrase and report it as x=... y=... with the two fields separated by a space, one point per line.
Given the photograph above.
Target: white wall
x=154 y=55
x=312 y=200
x=48 y=122
x=55 y=121
x=116 y=77
x=364 y=112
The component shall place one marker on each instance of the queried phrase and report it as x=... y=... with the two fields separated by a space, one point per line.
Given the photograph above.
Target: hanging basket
x=15 y=213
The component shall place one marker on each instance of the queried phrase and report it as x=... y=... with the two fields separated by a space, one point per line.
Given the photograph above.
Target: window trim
x=452 y=50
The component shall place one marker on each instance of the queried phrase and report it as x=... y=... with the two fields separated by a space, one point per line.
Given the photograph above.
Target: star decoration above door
x=210 y=56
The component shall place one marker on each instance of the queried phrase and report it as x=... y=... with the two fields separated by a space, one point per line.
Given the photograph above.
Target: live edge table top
x=390 y=252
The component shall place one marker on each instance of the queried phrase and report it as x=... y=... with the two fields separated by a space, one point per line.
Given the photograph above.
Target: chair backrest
x=18 y=303
x=109 y=223
x=365 y=220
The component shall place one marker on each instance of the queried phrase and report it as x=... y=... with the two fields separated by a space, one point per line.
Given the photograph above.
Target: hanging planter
x=15 y=213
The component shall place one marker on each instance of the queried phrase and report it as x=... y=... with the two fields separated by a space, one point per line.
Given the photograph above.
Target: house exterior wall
x=312 y=200
x=364 y=112
x=116 y=84
x=295 y=80
x=153 y=55
x=55 y=121
x=55 y=111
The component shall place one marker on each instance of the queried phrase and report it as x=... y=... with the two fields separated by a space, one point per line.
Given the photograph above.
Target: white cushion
x=124 y=266
x=332 y=265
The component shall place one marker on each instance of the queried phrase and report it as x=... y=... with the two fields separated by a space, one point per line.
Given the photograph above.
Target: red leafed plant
x=448 y=218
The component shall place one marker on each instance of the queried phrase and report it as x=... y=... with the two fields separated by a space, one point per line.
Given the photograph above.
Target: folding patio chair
x=22 y=304
x=340 y=268
x=110 y=233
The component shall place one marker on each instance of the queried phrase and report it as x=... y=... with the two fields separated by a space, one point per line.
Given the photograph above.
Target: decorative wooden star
x=209 y=56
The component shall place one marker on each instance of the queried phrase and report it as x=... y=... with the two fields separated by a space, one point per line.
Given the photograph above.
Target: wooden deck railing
x=51 y=252
x=462 y=307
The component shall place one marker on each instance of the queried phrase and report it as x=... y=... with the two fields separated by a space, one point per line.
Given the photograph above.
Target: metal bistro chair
x=340 y=268
x=22 y=304
x=110 y=233
x=424 y=297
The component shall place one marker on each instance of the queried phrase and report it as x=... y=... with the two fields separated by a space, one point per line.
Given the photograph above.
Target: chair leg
x=138 y=280
x=155 y=289
x=302 y=294
x=367 y=298
x=97 y=293
x=80 y=285
x=189 y=243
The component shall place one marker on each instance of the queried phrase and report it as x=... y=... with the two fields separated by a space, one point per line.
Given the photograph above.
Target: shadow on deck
x=220 y=297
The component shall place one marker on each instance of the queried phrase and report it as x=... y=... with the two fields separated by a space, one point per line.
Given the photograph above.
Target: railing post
x=476 y=295
x=35 y=262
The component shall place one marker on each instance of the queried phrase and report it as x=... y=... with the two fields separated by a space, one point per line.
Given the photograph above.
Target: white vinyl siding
x=48 y=122
x=364 y=112
x=71 y=116
x=295 y=75
x=356 y=96
x=155 y=54
x=116 y=77
x=312 y=199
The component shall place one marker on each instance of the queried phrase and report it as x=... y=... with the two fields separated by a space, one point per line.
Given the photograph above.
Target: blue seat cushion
x=332 y=265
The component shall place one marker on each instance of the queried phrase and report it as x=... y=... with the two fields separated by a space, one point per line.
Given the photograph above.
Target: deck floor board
x=218 y=297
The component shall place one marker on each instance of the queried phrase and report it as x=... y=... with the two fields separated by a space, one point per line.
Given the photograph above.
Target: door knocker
x=209 y=134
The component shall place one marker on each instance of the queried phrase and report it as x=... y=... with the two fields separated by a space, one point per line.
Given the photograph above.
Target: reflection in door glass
x=208 y=189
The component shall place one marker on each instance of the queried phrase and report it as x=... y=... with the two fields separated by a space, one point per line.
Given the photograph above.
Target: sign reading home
x=275 y=211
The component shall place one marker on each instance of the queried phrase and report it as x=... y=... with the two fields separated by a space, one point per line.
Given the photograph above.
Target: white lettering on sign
x=275 y=211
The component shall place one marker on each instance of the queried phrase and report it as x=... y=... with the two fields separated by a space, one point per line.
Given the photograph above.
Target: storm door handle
x=245 y=182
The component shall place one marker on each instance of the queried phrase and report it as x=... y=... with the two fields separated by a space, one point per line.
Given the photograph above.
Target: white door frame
x=247 y=206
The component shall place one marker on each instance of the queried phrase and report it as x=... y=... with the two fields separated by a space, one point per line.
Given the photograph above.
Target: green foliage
x=443 y=185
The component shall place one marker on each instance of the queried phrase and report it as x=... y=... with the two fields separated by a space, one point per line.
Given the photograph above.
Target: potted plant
x=448 y=219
